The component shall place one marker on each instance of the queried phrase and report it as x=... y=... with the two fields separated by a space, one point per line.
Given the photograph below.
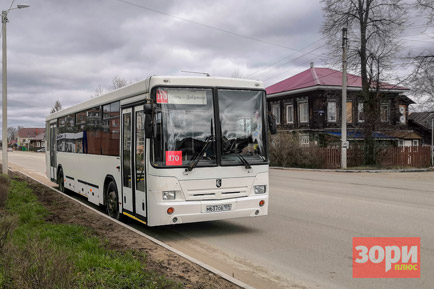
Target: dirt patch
x=65 y=211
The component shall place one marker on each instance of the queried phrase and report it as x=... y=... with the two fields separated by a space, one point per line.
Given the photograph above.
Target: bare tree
x=99 y=91
x=118 y=82
x=421 y=80
x=373 y=29
x=57 y=106
x=427 y=8
x=237 y=74
x=12 y=133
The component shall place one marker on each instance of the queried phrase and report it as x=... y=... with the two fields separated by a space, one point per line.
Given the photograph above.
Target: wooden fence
x=330 y=158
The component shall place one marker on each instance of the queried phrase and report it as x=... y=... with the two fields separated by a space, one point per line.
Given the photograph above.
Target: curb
x=171 y=249
x=414 y=170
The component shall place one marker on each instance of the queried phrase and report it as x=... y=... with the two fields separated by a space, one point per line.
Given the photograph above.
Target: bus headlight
x=261 y=189
x=169 y=195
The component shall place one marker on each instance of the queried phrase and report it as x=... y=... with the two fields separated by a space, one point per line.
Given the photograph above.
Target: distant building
x=31 y=138
x=310 y=103
x=421 y=122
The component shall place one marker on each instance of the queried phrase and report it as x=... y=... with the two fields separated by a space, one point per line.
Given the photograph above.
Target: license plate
x=218 y=208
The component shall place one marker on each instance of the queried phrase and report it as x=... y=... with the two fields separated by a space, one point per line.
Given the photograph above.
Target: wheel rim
x=61 y=183
x=112 y=204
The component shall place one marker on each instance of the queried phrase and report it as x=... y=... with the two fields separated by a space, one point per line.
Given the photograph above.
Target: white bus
x=166 y=150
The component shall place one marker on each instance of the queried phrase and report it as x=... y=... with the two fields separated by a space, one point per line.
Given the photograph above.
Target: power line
x=295 y=60
x=417 y=40
x=281 y=59
x=26 y=104
x=207 y=26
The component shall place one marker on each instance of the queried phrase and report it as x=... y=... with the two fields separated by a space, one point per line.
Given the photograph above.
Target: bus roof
x=143 y=87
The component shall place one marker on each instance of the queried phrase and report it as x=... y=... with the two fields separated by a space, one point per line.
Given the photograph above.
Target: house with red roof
x=310 y=103
x=31 y=138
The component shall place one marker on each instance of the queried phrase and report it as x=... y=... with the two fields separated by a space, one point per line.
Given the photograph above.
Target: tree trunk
x=369 y=98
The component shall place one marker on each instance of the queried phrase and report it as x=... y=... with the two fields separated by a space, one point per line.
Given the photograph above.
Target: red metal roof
x=315 y=76
x=30 y=132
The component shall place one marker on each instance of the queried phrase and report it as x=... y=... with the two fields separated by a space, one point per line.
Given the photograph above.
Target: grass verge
x=38 y=254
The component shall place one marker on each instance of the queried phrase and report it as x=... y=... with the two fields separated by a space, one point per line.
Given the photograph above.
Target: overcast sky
x=63 y=50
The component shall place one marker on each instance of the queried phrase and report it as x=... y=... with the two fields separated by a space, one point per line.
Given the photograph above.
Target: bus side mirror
x=150 y=130
x=147 y=108
x=272 y=123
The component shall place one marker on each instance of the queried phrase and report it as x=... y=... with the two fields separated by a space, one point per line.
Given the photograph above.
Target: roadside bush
x=38 y=264
x=7 y=224
x=286 y=151
x=4 y=186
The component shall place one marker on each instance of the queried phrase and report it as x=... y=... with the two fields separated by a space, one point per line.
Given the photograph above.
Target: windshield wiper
x=230 y=149
x=196 y=158
x=244 y=161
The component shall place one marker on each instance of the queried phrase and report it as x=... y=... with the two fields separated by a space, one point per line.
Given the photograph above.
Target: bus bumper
x=201 y=211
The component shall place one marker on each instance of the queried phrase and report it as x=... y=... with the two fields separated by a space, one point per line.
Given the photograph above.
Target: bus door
x=133 y=161
x=53 y=149
x=139 y=162
x=127 y=159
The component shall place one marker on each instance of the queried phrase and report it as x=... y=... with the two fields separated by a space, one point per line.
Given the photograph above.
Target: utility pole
x=432 y=140
x=4 y=97
x=344 y=143
x=4 y=16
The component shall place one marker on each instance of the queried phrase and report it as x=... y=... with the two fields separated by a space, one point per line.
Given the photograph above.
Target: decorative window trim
x=277 y=115
x=330 y=111
x=360 y=110
x=387 y=112
x=289 y=116
x=299 y=104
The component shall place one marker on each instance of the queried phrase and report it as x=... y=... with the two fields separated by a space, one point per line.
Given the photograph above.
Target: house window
x=415 y=142
x=275 y=110
x=331 y=111
x=384 y=112
x=304 y=140
x=290 y=113
x=360 y=113
x=349 y=112
x=303 y=112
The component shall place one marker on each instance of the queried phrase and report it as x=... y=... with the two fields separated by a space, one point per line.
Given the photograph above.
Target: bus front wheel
x=113 y=201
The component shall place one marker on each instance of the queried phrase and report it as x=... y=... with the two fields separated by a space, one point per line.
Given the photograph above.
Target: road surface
x=306 y=241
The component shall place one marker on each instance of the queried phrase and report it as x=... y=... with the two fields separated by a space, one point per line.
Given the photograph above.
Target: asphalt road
x=306 y=241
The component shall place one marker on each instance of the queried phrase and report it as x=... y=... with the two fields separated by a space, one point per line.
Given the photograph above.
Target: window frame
x=288 y=121
x=303 y=138
x=277 y=115
x=387 y=119
x=335 y=111
x=300 y=104
x=349 y=116
x=360 y=110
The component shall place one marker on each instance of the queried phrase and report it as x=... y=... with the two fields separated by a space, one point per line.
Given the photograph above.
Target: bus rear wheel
x=61 y=181
x=113 y=201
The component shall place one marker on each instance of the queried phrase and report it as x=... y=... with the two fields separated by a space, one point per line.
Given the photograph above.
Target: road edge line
x=152 y=239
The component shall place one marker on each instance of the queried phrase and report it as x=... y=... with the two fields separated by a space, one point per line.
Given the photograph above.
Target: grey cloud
x=64 y=49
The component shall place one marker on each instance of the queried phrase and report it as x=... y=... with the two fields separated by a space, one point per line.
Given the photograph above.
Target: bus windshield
x=242 y=126
x=186 y=127
x=185 y=124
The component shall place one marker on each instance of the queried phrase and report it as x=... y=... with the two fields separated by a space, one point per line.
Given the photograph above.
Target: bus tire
x=61 y=181
x=112 y=203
